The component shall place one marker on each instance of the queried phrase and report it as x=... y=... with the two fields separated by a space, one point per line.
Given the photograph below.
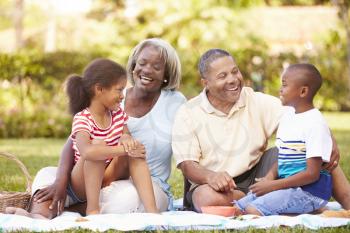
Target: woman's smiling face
x=149 y=69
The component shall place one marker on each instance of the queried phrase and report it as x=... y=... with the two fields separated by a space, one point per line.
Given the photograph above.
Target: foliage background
x=32 y=100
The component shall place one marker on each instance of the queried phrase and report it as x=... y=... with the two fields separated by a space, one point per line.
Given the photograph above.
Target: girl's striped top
x=83 y=121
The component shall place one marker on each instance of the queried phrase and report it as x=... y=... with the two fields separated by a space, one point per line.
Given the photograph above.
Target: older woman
x=154 y=70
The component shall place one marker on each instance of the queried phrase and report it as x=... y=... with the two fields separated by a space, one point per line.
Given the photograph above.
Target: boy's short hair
x=309 y=75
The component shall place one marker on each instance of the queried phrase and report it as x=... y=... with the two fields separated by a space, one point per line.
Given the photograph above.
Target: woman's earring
x=165 y=81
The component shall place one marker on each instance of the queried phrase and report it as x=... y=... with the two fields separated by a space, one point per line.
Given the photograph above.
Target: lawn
x=38 y=153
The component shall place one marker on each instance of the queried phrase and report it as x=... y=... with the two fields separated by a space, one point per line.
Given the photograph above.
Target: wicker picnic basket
x=16 y=199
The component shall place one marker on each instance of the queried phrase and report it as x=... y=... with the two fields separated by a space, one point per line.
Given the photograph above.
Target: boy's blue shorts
x=284 y=201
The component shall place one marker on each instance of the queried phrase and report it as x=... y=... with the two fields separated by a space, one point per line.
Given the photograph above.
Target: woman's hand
x=128 y=142
x=57 y=192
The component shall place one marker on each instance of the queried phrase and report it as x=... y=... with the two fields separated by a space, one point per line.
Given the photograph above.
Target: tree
x=343 y=8
x=18 y=22
x=295 y=2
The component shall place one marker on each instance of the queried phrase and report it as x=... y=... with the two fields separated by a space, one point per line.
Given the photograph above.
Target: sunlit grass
x=33 y=147
x=338 y=120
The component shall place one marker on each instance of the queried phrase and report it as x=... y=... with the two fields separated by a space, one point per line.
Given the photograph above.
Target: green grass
x=38 y=153
x=34 y=153
x=340 y=126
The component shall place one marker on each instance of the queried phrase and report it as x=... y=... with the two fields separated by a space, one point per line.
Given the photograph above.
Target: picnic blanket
x=172 y=220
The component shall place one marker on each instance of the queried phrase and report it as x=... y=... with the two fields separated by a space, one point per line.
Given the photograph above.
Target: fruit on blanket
x=226 y=211
x=336 y=213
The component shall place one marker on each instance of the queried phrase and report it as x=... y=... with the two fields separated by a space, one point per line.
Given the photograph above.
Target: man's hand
x=221 y=182
x=263 y=186
x=55 y=192
x=335 y=156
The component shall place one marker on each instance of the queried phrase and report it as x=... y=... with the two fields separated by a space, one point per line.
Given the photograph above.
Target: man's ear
x=204 y=82
x=304 y=91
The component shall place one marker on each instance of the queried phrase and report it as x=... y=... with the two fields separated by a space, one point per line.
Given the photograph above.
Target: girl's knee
x=136 y=164
x=100 y=163
x=119 y=162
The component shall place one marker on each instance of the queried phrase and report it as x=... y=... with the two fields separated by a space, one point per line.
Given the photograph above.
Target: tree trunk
x=345 y=18
x=18 y=23
x=50 y=40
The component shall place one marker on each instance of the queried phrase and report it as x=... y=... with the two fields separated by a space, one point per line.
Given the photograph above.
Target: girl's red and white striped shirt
x=83 y=121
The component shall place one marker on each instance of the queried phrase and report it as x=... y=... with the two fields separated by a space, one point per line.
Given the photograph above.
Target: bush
x=32 y=98
x=33 y=103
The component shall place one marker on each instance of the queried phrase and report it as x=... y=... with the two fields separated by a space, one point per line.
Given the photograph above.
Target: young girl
x=100 y=134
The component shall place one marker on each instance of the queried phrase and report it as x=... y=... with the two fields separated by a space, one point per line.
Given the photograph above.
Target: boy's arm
x=310 y=175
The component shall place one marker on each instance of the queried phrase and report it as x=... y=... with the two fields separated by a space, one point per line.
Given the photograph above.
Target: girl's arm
x=91 y=151
x=310 y=175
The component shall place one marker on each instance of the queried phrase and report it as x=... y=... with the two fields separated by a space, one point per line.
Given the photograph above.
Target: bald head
x=306 y=75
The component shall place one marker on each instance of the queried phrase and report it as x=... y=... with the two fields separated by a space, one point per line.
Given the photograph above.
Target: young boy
x=295 y=184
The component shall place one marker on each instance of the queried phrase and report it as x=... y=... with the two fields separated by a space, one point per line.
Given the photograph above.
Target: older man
x=220 y=136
